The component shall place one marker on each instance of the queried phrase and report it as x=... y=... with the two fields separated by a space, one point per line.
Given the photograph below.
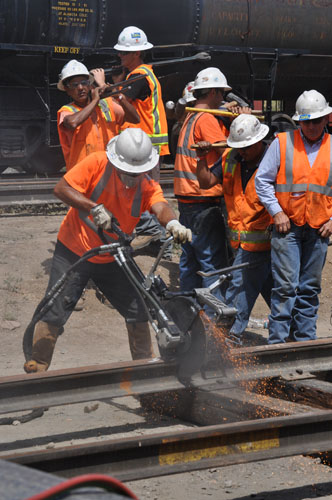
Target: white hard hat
x=188 y=95
x=210 y=78
x=310 y=105
x=132 y=151
x=246 y=130
x=73 y=68
x=132 y=39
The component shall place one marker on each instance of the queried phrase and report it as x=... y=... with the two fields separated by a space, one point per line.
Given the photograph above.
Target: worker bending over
x=105 y=184
x=88 y=123
x=294 y=184
x=248 y=220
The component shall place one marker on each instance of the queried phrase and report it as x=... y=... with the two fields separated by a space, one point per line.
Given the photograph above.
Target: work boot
x=143 y=240
x=44 y=339
x=140 y=340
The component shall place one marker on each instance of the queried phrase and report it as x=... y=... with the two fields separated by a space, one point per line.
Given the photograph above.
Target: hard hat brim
x=225 y=87
x=133 y=48
x=264 y=130
x=61 y=86
x=311 y=116
x=121 y=164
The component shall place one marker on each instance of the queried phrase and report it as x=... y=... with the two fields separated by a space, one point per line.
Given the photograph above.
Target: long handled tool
x=221 y=144
x=200 y=56
x=220 y=112
x=116 y=88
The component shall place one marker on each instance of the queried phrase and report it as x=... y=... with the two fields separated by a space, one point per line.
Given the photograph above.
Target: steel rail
x=19 y=189
x=61 y=387
x=296 y=358
x=170 y=453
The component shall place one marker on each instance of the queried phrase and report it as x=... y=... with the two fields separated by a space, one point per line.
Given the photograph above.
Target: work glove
x=180 y=233
x=101 y=216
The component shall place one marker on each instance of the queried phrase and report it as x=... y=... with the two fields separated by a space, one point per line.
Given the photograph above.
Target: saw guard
x=189 y=354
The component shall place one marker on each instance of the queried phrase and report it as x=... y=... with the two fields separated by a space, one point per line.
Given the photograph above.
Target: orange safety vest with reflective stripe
x=304 y=192
x=186 y=184
x=247 y=217
x=90 y=136
x=151 y=111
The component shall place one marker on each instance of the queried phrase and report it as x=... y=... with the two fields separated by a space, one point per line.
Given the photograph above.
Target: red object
x=98 y=480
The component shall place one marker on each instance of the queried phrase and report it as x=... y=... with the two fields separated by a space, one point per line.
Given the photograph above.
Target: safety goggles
x=130 y=180
x=74 y=85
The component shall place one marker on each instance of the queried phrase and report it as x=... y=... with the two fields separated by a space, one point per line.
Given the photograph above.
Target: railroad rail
x=20 y=189
x=61 y=387
x=276 y=400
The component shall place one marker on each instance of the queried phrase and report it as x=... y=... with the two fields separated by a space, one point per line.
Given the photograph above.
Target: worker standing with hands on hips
x=294 y=184
x=88 y=123
x=103 y=185
x=248 y=220
x=146 y=97
x=200 y=208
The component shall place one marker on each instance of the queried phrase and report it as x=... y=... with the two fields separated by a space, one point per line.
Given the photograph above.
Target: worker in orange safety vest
x=87 y=123
x=248 y=220
x=294 y=184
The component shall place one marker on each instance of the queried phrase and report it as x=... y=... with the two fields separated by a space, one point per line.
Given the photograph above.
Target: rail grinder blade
x=190 y=354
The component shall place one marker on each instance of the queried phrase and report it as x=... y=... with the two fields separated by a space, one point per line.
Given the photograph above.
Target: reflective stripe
x=185 y=152
x=185 y=175
x=289 y=187
x=71 y=107
x=231 y=162
x=316 y=188
x=136 y=206
x=103 y=104
x=83 y=215
x=250 y=236
x=184 y=149
x=158 y=139
x=154 y=98
x=99 y=188
x=289 y=157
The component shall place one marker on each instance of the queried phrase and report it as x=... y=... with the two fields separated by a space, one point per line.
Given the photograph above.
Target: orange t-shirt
x=116 y=197
x=208 y=128
x=204 y=127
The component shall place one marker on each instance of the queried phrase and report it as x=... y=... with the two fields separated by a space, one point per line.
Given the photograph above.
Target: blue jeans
x=297 y=261
x=205 y=253
x=247 y=284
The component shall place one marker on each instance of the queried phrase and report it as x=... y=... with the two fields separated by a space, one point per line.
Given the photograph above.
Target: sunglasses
x=74 y=85
x=123 y=53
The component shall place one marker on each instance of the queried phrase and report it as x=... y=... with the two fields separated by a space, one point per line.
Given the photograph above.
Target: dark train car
x=266 y=48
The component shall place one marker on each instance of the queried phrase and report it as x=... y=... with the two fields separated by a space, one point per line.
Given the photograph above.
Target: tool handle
x=222 y=144
x=220 y=112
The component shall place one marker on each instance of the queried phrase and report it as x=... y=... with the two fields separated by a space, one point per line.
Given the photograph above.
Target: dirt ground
x=96 y=335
